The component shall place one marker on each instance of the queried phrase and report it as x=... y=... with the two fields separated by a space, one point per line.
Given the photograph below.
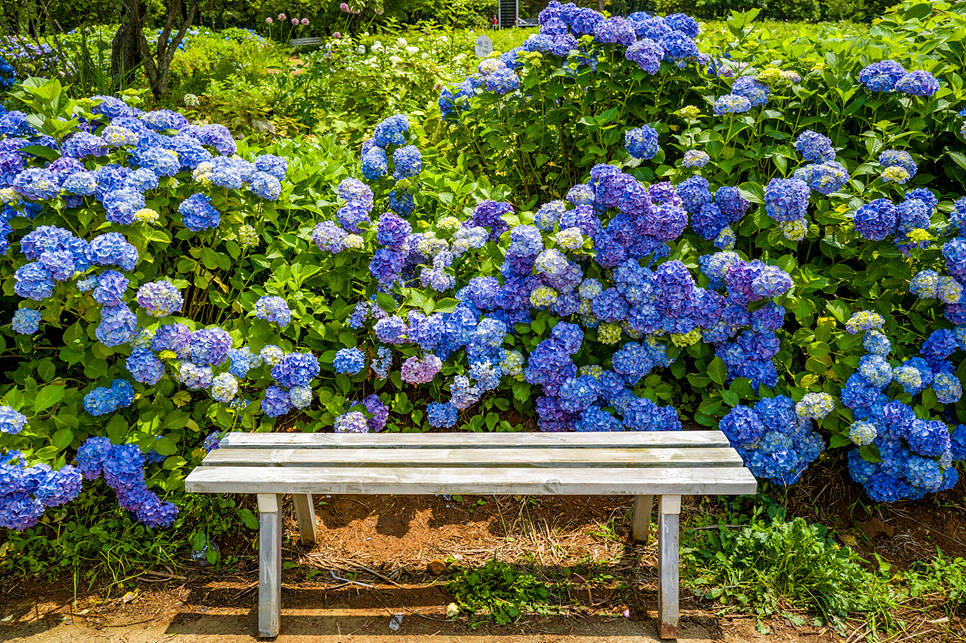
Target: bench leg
x=641 y=518
x=305 y=516
x=669 y=510
x=269 y=564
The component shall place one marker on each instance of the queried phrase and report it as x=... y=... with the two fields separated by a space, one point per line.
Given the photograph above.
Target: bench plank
x=470 y=480
x=675 y=439
x=523 y=457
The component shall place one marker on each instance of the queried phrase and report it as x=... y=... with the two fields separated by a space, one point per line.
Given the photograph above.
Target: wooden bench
x=305 y=42
x=663 y=464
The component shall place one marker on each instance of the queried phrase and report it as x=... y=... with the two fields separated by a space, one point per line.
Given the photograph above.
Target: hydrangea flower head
x=273 y=309
x=815 y=406
x=26 y=321
x=349 y=360
x=882 y=76
x=864 y=320
x=642 y=143
x=11 y=422
x=159 y=298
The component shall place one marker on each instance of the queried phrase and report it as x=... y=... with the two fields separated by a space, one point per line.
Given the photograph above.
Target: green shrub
x=215 y=57
x=794 y=10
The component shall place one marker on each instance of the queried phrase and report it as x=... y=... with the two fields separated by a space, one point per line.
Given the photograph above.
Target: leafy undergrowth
x=96 y=543
x=767 y=565
x=498 y=592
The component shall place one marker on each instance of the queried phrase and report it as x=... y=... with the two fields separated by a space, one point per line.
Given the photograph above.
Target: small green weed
x=941 y=576
x=769 y=565
x=497 y=591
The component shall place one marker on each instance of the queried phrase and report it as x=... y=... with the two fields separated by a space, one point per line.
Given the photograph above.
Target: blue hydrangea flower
x=112 y=249
x=266 y=186
x=351 y=422
x=876 y=220
x=731 y=104
x=26 y=321
x=11 y=422
x=751 y=88
x=100 y=401
x=159 y=298
x=815 y=147
x=144 y=366
x=392 y=131
x=118 y=325
x=300 y=396
x=271 y=164
x=296 y=369
x=198 y=213
x=918 y=83
x=407 y=162
x=786 y=199
x=646 y=54
x=898 y=158
x=441 y=415
x=195 y=377
x=273 y=309
x=882 y=76
x=349 y=360
x=277 y=402
x=642 y=143
x=209 y=346
x=695 y=158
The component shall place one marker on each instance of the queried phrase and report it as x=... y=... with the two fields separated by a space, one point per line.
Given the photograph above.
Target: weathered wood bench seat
x=305 y=42
x=663 y=464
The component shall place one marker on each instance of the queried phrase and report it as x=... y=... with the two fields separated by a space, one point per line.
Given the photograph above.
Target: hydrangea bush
x=634 y=229
x=134 y=242
x=656 y=261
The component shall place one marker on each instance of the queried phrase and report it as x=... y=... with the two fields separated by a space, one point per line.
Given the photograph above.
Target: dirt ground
x=380 y=558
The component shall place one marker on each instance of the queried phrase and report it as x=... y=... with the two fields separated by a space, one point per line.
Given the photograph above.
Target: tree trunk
x=157 y=64
x=125 y=49
x=600 y=6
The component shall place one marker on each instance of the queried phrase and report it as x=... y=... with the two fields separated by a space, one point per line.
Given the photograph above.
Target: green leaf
x=248 y=518
x=752 y=192
x=839 y=310
x=165 y=446
x=210 y=258
x=837 y=441
x=47 y=397
x=917 y=12
x=717 y=371
x=62 y=439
